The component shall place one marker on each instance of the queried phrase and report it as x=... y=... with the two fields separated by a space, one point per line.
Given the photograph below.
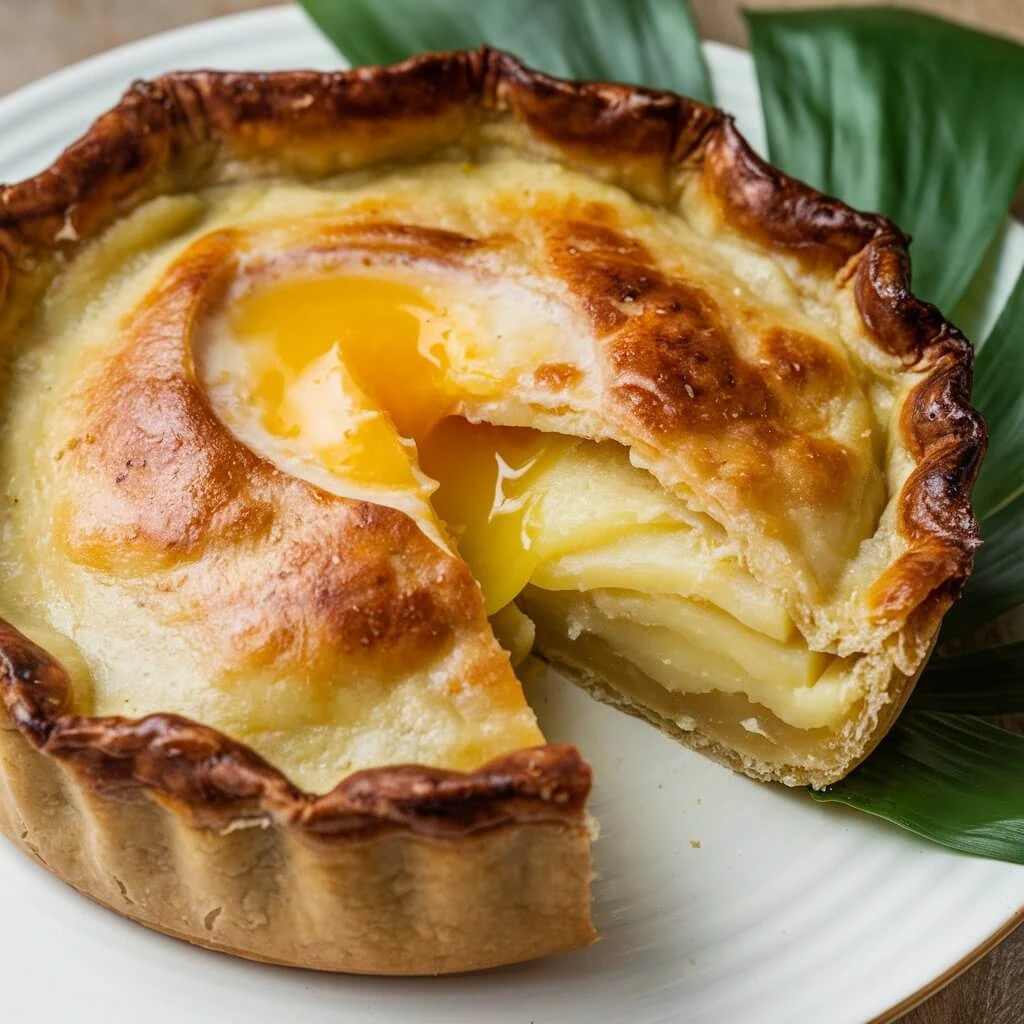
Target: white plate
x=786 y=911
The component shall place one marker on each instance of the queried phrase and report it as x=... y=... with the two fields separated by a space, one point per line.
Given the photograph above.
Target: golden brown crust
x=771 y=207
x=155 y=479
x=194 y=129
x=676 y=376
x=399 y=870
x=945 y=435
x=190 y=128
x=383 y=900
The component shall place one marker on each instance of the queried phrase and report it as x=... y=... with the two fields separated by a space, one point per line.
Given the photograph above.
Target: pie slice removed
x=328 y=398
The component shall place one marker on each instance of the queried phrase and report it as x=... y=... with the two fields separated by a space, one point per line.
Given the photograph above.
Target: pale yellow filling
x=351 y=372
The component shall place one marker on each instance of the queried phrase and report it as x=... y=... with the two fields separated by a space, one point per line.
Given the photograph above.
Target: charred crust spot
x=765 y=204
x=670 y=348
x=679 y=374
x=935 y=513
x=933 y=503
x=938 y=416
x=312 y=102
x=943 y=433
x=675 y=369
x=901 y=324
x=605 y=269
x=553 y=776
x=604 y=120
x=35 y=688
x=123 y=160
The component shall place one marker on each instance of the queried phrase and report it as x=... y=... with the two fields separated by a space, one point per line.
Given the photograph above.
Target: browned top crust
x=187 y=130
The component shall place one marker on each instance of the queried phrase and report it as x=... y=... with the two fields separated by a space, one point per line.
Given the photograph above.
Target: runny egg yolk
x=344 y=367
x=338 y=367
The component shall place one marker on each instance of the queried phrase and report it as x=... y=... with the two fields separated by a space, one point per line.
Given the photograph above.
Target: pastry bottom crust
x=391 y=902
x=846 y=753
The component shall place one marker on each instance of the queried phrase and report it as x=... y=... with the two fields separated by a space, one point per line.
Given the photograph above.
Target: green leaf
x=983 y=682
x=901 y=113
x=953 y=779
x=645 y=42
x=978 y=310
x=997 y=583
x=999 y=395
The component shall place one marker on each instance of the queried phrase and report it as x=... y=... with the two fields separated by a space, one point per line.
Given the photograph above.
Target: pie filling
x=567 y=530
x=338 y=354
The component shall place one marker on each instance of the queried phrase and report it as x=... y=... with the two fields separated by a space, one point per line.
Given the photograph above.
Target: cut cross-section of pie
x=329 y=397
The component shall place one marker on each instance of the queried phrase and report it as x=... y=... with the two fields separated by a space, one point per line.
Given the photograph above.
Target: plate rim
x=206 y=31
x=948 y=976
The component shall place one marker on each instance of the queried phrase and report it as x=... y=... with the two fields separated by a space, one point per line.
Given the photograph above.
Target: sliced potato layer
x=689 y=648
x=623 y=559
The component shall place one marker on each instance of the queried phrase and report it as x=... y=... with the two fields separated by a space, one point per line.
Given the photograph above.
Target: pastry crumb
x=695 y=843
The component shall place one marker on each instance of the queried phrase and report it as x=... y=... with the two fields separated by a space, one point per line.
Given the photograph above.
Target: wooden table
x=43 y=35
